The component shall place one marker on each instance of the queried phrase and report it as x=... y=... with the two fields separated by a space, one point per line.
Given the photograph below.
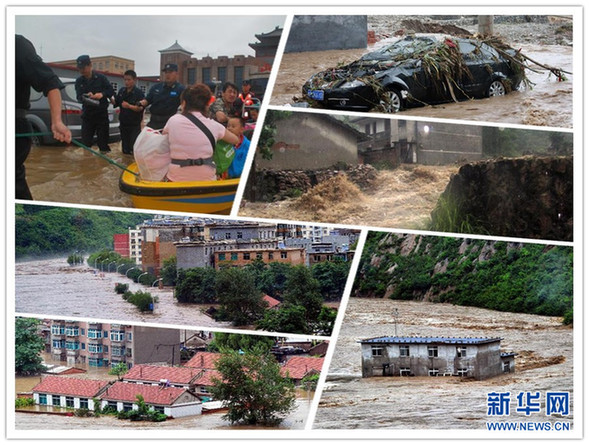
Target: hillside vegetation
x=511 y=277
x=43 y=230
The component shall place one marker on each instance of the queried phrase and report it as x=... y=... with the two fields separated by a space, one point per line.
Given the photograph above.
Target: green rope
x=79 y=144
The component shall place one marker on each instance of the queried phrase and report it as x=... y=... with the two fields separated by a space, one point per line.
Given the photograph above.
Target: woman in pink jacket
x=193 y=136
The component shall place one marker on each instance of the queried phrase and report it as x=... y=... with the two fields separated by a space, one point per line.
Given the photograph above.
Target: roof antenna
x=396 y=317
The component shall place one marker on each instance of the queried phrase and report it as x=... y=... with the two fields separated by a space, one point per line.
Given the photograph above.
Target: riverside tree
x=241 y=301
x=252 y=388
x=28 y=346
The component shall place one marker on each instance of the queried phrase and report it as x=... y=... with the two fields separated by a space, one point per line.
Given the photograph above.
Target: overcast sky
x=139 y=38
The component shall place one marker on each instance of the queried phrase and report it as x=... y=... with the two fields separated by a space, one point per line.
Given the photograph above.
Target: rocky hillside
x=512 y=277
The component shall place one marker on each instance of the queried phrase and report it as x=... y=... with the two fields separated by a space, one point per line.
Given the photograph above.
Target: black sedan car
x=417 y=71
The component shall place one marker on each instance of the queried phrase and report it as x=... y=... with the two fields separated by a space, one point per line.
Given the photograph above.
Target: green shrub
x=83 y=412
x=143 y=300
x=121 y=288
x=22 y=402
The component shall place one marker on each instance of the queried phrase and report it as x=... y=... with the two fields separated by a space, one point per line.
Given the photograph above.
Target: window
x=258 y=256
x=221 y=257
x=239 y=235
x=206 y=75
x=95 y=349
x=56 y=400
x=159 y=409
x=83 y=346
x=83 y=403
x=57 y=329
x=404 y=350
x=95 y=362
x=405 y=372
x=222 y=74
x=191 y=76
x=204 y=390
x=112 y=405
x=127 y=406
x=72 y=331
x=506 y=367
x=283 y=255
x=432 y=351
x=270 y=255
x=377 y=351
x=69 y=401
x=117 y=336
x=246 y=256
x=42 y=399
x=233 y=256
x=462 y=372
x=72 y=345
x=460 y=351
x=94 y=333
x=58 y=344
x=118 y=351
x=130 y=336
x=105 y=334
x=433 y=372
x=228 y=235
x=238 y=75
x=83 y=331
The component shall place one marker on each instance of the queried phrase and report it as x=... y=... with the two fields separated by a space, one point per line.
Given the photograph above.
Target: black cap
x=170 y=67
x=83 y=60
x=246 y=82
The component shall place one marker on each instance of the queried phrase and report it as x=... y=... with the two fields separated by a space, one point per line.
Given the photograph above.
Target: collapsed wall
x=529 y=197
x=275 y=185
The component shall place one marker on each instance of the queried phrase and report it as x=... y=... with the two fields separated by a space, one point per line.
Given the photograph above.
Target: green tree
x=120 y=369
x=301 y=289
x=252 y=388
x=196 y=285
x=332 y=277
x=28 y=346
x=289 y=318
x=241 y=301
x=273 y=280
x=169 y=273
x=223 y=341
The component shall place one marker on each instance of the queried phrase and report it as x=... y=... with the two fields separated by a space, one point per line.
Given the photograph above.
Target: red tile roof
x=299 y=366
x=151 y=373
x=272 y=302
x=204 y=360
x=206 y=378
x=127 y=392
x=69 y=386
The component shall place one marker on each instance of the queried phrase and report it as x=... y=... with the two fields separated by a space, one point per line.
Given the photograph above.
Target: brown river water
x=54 y=288
x=544 y=362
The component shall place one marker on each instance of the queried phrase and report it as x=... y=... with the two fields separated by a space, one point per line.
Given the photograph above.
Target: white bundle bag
x=152 y=154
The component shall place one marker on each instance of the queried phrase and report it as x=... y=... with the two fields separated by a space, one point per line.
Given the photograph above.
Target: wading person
x=193 y=137
x=164 y=98
x=31 y=71
x=94 y=91
x=129 y=101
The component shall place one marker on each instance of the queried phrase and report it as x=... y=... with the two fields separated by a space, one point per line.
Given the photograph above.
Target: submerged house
x=479 y=358
x=68 y=392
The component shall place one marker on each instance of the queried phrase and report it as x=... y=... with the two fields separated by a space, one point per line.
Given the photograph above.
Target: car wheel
x=36 y=141
x=496 y=89
x=391 y=101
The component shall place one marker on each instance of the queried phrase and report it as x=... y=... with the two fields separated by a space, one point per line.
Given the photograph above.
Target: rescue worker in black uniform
x=131 y=115
x=31 y=71
x=94 y=91
x=164 y=98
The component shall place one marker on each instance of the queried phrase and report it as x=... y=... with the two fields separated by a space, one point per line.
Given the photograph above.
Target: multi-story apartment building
x=242 y=257
x=135 y=240
x=106 y=344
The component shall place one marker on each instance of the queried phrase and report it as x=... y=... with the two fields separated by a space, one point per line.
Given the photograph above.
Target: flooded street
x=549 y=103
x=402 y=198
x=53 y=288
x=75 y=176
x=544 y=363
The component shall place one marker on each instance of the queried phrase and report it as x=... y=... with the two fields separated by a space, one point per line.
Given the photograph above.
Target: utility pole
x=396 y=317
x=486 y=25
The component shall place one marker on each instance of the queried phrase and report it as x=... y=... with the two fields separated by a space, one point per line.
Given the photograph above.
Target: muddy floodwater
x=544 y=363
x=401 y=198
x=54 y=288
x=549 y=103
x=72 y=175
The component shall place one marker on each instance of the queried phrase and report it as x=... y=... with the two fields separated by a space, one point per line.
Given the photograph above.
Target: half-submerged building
x=479 y=358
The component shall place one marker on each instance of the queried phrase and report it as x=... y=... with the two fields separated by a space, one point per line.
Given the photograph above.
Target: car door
x=480 y=63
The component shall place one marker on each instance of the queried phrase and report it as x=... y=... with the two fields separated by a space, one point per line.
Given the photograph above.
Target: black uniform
x=164 y=101
x=130 y=121
x=94 y=113
x=31 y=71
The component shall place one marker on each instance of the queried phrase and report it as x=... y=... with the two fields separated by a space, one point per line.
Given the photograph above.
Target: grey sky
x=140 y=37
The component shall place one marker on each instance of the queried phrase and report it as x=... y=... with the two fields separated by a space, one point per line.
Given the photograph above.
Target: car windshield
x=409 y=46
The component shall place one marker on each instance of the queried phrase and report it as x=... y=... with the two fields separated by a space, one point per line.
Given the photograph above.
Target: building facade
x=105 y=344
x=478 y=358
x=111 y=64
x=242 y=257
x=122 y=244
